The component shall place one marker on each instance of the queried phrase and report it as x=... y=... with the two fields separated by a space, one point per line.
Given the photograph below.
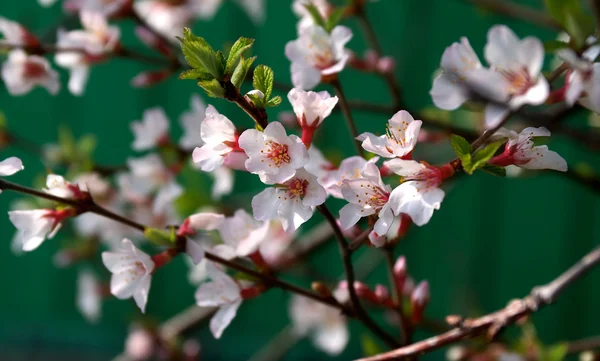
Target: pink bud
x=386 y=65
x=376 y=239
x=419 y=300
x=382 y=293
x=191 y=349
x=400 y=273
x=139 y=344
x=409 y=286
x=371 y=59
x=148 y=78
x=152 y=41
x=363 y=291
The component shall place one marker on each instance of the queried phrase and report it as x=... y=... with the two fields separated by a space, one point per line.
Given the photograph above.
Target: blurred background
x=492 y=240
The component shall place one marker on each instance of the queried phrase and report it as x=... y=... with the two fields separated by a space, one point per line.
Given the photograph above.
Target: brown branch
x=589 y=343
x=360 y=312
x=343 y=102
x=516 y=11
x=492 y=323
x=259 y=115
x=405 y=326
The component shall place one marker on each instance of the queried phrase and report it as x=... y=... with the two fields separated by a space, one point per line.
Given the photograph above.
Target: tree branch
x=397 y=297
x=516 y=11
x=494 y=322
x=347 y=115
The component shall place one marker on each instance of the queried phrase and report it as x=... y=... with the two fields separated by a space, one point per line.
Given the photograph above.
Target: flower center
x=427 y=178
x=519 y=81
x=397 y=134
x=296 y=188
x=277 y=153
x=33 y=70
x=375 y=196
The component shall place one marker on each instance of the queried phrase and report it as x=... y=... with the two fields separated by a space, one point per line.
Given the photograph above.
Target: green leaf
x=263 y=80
x=334 y=18
x=241 y=45
x=570 y=14
x=66 y=141
x=258 y=101
x=241 y=71
x=556 y=352
x=87 y=144
x=316 y=15
x=273 y=102
x=483 y=155
x=462 y=148
x=212 y=87
x=196 y=74
x=158 y=236
x=369 y=346
x=200 y=55
x=494 y=170
x=554 y=45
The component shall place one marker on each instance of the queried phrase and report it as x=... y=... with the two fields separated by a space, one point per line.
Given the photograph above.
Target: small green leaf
x=87 y=144
x=273 y=102
x=494 y=170
x=573 y=18
x=556 y=352
x=369 y=346
x=241 y=45
x=212 y=87
x=158 y=236
x=241 y=71
x=334 y=18
x=462 y=148
x=200 y=55
x=263 y=80
x=316 y=15
x=195 y=74
x=66 y=141
x=483 y=155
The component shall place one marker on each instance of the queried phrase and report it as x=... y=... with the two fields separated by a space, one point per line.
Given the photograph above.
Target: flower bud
x=139 y=344
x=256 y=93
x=371 y=59
x=409 y=286
x=382 y=293
x=152 y=41
x=363 y=291
x=191 y=349
x=386 y=65
x=321 y=288
x=419 y=300
x=456 y=353
x=149 y=78
x=400 y=273
x=376 y=239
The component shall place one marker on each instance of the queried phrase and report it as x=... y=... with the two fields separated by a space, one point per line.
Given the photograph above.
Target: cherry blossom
x=319 y=166
x=293 y=201
x=311 y=109
x=276 y=243
x=521 y=151
x=191 y=124
x=350 y=168
x=152 y=131
x=35 y=226
x=367 y=195
x=89 y=296
x=272 y=154
x=108 y=8
x=241 y=235
x=10 y=166
x=583 y=81
x=220 y=143
x=325 y=324
x=419 y=194
x=222 y=182
x=316 y=54
x=15 y=34
x=132 y=273
x=520 y=62
x=169 y=18
x=97 y=39
x=306 y=20
x=22 y=72
x=222 y=292
x=401 y=136
x=58 y=186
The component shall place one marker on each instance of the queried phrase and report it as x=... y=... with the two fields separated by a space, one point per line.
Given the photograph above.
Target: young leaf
x=158 y=236
x=461 y=147
x=200 y=55
x=236 y=51
x=273 y=102
x=316 y=15
x=556 y=352
x=369 y=346
x=241 y=71
x=571 y=15
x=334 y=18
x=483 y=155
x=494 y=170
x=195 y=74
x=212 y=87
x=263 y=80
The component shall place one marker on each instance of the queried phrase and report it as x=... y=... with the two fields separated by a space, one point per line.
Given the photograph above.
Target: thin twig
x=360 y=312
x=589 y=343
x=516 y=11
x=405 y=326
x=347 y=115
x=494 y=322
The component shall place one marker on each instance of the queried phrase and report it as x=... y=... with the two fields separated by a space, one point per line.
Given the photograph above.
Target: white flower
x=522 y=152
x=220 y=143
x=254 y=8
x=10 y=166
x=222 y=292
x=132 y=273
x=94 y=184
x=311 y=108
x=520 y=62
x=276 y=243
x=22 y=72
x=15 y=34
x=89 y=297
x=168 y=18
x=107 y=8
x=583 y=81
x=222 y=182
x=367 y=195
x=293 y=202
x=151 y=131
x=306 y=20
x=316 y=53
x=400 y=139
x=46 y=3
x=326 y=324
x=419 y=194
x=462 y=73
x=34 y=226
x=350 y=168
x=190 y=122
x=272 y=154
x=241 y=235
x=58 y=186
x=97 y=39
x=319 y=166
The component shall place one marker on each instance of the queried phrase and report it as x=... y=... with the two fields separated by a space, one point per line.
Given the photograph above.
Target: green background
x=492 y=240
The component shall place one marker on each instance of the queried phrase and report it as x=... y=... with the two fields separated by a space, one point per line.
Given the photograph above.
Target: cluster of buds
x=373 y=62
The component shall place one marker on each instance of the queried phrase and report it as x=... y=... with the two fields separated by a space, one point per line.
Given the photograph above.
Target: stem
x=517 y=11
x=586 y=344
x=259 y=115
x=361 y=314
x=488 y=133
x=347 y=115
x=397 y=297
x=494 y=322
